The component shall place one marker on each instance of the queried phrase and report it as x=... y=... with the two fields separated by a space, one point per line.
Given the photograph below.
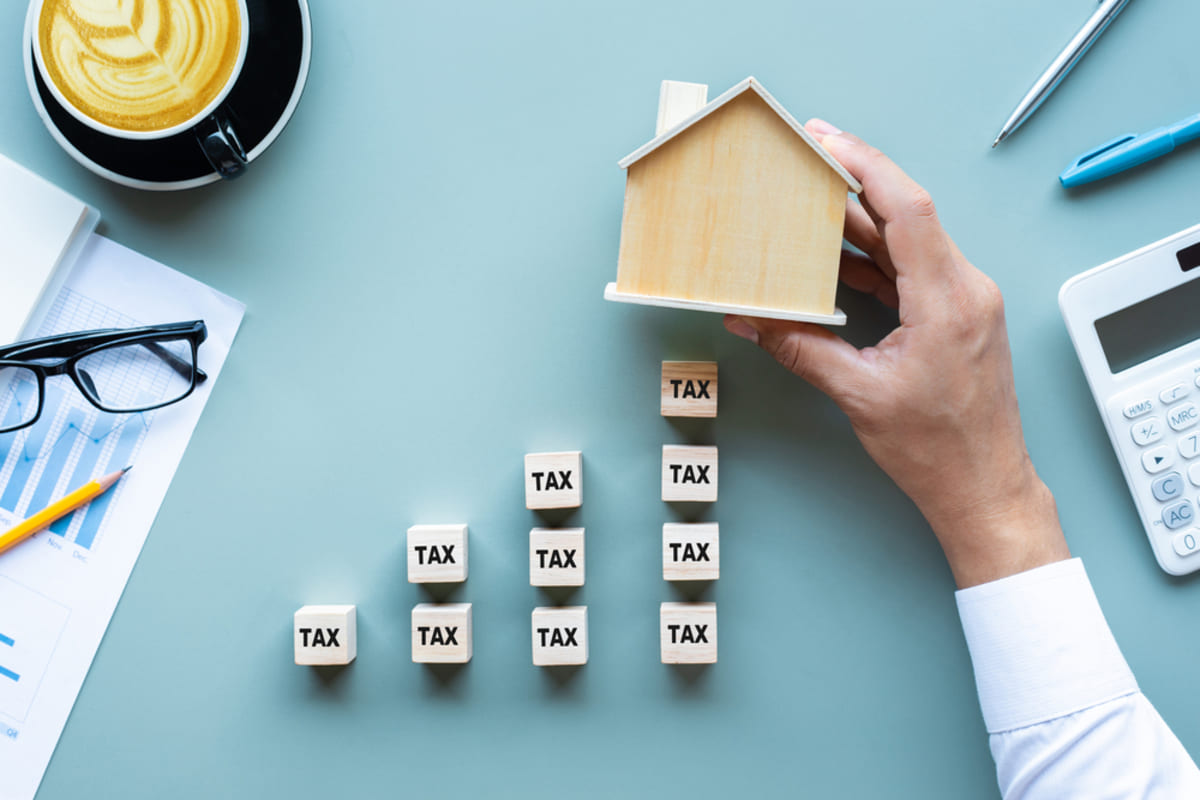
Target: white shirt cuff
x=1041 y=646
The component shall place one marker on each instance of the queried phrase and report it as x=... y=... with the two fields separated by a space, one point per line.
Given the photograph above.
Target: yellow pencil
x=80 y=497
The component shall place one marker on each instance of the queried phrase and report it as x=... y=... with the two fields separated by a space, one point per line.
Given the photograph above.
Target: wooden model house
x=732 y=207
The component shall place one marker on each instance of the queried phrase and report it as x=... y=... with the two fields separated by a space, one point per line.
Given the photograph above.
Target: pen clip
x=1104 y=148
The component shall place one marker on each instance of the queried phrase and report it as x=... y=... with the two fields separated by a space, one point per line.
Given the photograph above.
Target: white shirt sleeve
x=1063 y=712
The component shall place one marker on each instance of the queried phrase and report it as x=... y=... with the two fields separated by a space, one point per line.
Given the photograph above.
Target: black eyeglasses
x=121 y=371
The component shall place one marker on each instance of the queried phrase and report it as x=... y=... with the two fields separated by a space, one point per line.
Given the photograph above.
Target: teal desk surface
x=423 y=254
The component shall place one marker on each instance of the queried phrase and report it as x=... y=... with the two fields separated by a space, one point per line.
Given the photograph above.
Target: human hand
x=933 y=403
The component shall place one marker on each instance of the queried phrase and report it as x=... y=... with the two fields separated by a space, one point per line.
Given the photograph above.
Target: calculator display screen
x=1152 y=327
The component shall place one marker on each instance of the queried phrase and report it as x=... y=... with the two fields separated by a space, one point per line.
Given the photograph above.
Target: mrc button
x=1183 y=416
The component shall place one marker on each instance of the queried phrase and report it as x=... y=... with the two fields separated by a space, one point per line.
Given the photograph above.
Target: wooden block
x=689 y=389
x=554 y=480
x=689 y=473
x=691 y=552
x=441 y=633
x=324 y=635
x=560 y=636
x=437 y=554
x=688 y=633
x=556 y=557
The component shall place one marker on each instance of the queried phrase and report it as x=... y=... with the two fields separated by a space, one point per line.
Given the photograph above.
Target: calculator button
x=1158 y=459
x=1178 y=515
x=1194 y=474
x=1147 y=431
x=1187 y=543
x=1168 y=487
x=1189 y=446
x=1173 y=393
x=1183 y=416
x=1134 y=410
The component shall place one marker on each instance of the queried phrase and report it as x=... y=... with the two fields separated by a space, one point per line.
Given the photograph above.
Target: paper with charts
x=59 y=589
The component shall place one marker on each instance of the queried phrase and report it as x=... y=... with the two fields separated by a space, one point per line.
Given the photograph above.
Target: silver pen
x=1059 y=68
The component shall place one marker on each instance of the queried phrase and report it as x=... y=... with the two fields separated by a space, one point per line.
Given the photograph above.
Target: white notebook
x=42 y=231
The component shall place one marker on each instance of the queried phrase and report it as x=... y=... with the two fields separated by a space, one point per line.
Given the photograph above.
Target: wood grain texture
x=448 y=620
x=560 y=636
x=556 y=557
x=691 y=551
x=689 y=389
x=312 y=649
x=437 y=553
x=736 y=209
x=688 y=633
x=554 y=480
x=689 y=473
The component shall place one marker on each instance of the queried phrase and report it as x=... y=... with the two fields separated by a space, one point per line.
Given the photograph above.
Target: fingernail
x=821 y=127
x=739 y=327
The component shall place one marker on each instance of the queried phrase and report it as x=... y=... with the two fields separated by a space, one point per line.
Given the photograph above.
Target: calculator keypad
x=1162 y=421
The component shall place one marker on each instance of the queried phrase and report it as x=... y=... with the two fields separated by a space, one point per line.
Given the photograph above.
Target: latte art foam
x=140 y=65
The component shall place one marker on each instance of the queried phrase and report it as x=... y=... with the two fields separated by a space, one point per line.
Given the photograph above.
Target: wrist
x=993 y=540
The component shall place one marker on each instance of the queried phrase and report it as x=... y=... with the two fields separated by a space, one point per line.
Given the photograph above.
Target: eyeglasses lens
x=18 y=397
x=133 y=376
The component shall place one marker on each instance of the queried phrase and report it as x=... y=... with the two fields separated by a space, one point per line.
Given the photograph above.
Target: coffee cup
x=166 y=94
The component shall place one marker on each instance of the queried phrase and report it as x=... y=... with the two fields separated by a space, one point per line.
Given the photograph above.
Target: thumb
x=816 y=354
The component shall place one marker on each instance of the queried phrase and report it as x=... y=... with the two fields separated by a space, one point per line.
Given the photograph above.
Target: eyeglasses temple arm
x=183 y=368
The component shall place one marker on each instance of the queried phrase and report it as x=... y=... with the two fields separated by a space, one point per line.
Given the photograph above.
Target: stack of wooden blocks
x=691 y=551
x=441 y=632
x=556 y=558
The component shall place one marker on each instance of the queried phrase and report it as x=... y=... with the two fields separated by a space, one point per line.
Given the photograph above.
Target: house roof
x=747 y=85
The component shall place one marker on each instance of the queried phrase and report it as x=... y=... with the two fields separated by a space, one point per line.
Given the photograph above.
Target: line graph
x=72 y=444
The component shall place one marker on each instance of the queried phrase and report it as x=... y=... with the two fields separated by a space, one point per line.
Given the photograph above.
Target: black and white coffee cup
x=218 y=141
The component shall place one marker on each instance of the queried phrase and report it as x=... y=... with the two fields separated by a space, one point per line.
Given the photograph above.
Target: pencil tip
x=127 y=469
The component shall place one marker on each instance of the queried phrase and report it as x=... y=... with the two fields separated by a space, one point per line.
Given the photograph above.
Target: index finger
x=905 y=213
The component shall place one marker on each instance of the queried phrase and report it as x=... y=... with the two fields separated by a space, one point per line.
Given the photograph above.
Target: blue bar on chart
x=4 y=671
x=29 y=443
x=85 y=467
x=26 y=457
x=132 y=430
x=57 y=462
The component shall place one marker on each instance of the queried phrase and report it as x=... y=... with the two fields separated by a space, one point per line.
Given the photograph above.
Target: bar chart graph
x=5 y=672
x=72 y=443
x=30 y=627
x=58 y=590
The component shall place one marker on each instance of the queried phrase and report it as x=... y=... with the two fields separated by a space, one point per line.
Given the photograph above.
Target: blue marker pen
x=1128 y=151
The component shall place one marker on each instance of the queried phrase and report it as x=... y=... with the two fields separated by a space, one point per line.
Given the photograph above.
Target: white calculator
x=1135 y=323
